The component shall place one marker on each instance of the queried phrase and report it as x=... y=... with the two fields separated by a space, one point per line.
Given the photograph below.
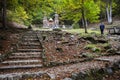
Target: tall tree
x=109 y=11
x=83 y=16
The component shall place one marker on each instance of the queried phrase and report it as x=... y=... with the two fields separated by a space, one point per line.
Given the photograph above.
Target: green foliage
x=93 y=48
x=89 y=46
x=96 y=49
x=88 y=55
x=81 y=32
x=92 y=11
x=32 y=11
x=76 y=26
x=19 y=15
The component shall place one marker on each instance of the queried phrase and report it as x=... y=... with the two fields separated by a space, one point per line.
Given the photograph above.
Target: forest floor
x=10 y=37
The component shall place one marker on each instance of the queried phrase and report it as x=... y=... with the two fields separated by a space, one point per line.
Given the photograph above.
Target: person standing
x=102 y=27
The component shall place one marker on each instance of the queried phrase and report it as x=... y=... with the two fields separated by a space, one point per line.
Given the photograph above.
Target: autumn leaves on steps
x=28 y=54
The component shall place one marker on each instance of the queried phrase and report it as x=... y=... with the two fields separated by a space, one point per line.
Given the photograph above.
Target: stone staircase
x=28 y=54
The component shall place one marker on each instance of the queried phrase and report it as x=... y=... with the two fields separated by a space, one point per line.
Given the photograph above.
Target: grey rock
x=10 y=77
x=67 y=79
x=2 y=77
x=17 y=77
x=38 y=74
x=26 y=75
x=109 y=70
x=52 y=76
x=81 y=75
x=74 y=76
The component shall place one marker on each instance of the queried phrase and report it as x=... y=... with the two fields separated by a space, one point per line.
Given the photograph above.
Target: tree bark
x=83 y=17
x=109 y=11
x=4 y=22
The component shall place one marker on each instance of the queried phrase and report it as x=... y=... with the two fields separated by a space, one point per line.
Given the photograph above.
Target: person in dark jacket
x=102 y=27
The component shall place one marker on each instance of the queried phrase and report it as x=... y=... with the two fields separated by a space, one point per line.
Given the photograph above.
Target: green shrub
x=93 y=48
x=76 y=26
x=89 y=46
x=88 y=55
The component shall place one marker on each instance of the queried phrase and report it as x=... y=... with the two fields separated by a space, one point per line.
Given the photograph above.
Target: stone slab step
x=108 y=58
x=30 y=44
x=29 y=47
x=35 y=39
x=24 y=57
x=118 y=52
x=20 y=61
x=30 y=34
x=26 y=54
x=23 y=42
x=21 y=66
x=29 y=37
x=29 y=50
x=19 y=75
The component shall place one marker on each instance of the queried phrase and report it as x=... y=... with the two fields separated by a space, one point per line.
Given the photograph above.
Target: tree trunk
x=4 y=14
x=86 y=23
x=83 y=17
x=109 y=11
x=83 y=22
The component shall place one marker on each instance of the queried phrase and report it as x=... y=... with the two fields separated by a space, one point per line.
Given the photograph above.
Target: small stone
x=67 y=79
x=17 y=77
x=109 y=70
x=74 y=76
x=39 y=73
x=81 y=75
x=52 y=76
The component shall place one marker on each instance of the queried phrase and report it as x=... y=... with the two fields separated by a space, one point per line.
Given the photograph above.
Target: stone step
x=21 y=61
x=30 y=44
x=31 y=39
x=26 y=54
x=32 y=33
x=108 y=58
x=25 y=37
x=29 y=50
x=118 y=52
x=24 y=57
x=29 y=47
x=21 y=66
